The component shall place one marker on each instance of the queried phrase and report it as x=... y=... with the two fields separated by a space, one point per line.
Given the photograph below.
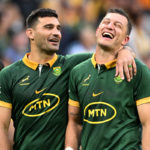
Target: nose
x=56 y=32
x=110 y=25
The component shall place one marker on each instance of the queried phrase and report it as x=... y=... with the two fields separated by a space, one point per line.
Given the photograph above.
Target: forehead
x=116 y=18
x=48 y=20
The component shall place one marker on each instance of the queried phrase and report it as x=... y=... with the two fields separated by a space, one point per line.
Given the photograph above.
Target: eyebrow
x=50 y=24
x=115 y=21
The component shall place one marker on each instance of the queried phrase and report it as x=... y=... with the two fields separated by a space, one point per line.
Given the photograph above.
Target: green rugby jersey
x=108 y=105
x=38 y=97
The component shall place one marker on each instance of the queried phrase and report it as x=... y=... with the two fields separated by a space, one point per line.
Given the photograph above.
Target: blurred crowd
x=79 y=19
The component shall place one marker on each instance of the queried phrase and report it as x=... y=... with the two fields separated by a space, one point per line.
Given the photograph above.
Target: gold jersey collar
x=34 y=65
x=108 y=65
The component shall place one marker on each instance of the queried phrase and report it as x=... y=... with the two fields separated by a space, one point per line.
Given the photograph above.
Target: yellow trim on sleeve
x=5 y=104
x=143 y=101
x=73 y=103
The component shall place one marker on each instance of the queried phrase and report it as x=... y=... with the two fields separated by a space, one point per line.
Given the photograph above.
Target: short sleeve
x=142 y=85
x=5 y=92
x=73 y=93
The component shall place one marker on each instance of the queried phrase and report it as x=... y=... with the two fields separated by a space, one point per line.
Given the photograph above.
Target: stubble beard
x=49 y=51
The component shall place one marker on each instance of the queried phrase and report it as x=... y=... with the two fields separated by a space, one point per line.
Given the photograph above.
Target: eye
x=59 y=28
x=118 y=25
x=50 y=26
x=106 y=22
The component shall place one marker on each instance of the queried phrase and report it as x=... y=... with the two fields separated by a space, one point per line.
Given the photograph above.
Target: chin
x=106 y=47
x=50 y=51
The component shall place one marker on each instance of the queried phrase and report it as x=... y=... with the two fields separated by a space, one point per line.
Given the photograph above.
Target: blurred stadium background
x=79 y=19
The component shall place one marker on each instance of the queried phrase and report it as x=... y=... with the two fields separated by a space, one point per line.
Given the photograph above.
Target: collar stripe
x=108 y=65
x=34 y=65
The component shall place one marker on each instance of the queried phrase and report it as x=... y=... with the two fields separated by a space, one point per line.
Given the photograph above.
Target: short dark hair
x=123 y=13
x=41 y=12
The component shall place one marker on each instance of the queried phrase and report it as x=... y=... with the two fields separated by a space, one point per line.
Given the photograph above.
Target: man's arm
x=125 y=58
x=11 y=133
x=74 y=128
x=144 y=115
x=5 y=116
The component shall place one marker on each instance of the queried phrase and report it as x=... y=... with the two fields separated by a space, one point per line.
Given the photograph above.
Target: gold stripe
x=111 y=64
x=108 y=65
x=34 y=65
x=5 y=104
x=93 y=60
x=143 y=101
x=73 y=103
x=51 y=62
x=30 y=64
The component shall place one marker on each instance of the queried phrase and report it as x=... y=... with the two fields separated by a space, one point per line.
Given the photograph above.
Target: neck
x=103 y=56
x=40 y=58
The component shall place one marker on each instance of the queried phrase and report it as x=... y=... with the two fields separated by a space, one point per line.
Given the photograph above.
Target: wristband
x=68 y=148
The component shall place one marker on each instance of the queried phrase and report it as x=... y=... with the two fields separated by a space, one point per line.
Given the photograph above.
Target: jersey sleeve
x=73 y=92
x=5 y=92
x=142 y=85
x=75 y=59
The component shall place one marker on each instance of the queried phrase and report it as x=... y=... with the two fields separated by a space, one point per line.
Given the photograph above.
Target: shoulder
x=142 y=70
x=77 y=58
x=12 y=69
x=141 y=65
x=72 y=60
x=83 y=66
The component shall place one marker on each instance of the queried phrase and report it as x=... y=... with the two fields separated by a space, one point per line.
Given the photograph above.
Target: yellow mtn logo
x=41 y=106
x=99 y=112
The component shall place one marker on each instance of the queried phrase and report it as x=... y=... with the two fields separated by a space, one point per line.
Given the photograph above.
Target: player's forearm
x=146 y=137
x=73 y=136
x=4 y=140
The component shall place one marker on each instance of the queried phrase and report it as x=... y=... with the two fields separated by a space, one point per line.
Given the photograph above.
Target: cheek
x=60 y=35
x=97 y=31
x=40 y=36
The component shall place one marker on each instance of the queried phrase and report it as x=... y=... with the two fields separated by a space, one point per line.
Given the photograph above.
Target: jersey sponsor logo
x=41 y=106
x=97 y=94
x=57 y=71
x=85 y=81
x=118 y=80
x=99 y=112
x=38 y=92
x=24 y=81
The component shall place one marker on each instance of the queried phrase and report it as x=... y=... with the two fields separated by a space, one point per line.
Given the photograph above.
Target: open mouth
x=55 y=40
x=108 y=35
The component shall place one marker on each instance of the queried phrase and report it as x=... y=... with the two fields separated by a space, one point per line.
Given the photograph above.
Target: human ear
x=30 y=33
x=125 y=41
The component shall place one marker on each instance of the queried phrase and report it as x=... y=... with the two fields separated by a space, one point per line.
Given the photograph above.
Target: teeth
x=53 y=40
x=108 y=34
